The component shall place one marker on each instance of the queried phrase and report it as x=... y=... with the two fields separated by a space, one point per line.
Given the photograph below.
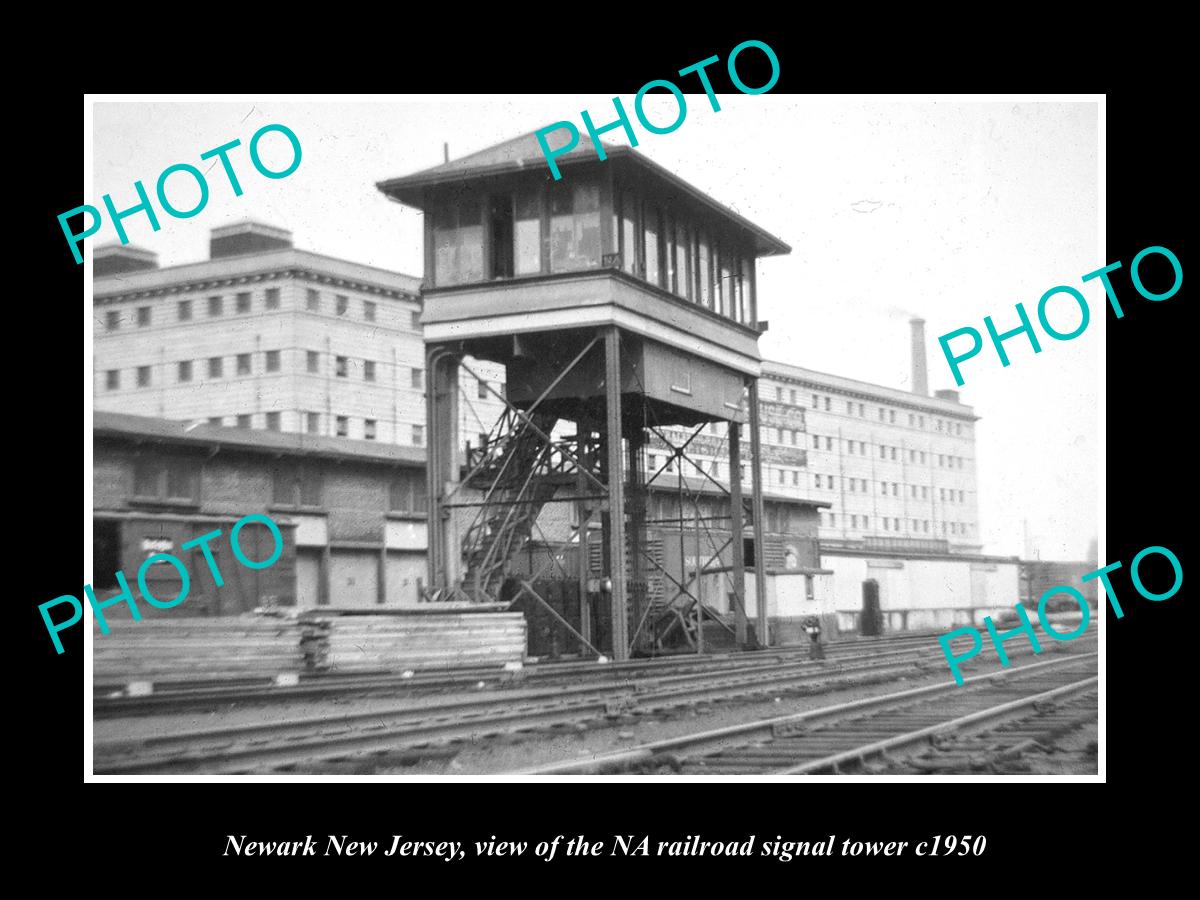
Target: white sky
x=953 y=211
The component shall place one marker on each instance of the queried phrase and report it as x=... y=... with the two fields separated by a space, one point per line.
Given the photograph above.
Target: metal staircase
x=516 y=475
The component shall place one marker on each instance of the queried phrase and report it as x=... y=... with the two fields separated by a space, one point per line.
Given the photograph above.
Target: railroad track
x=988 y=722
x=405 y=733
x=109 y=702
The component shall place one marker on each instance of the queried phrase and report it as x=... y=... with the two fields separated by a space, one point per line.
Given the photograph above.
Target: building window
x=143 y=316
x=850 y=447
x=214 y=367
x=243 y=363
x=272 y=360
x=833 y=520
x=483 y=390
x=883 y=487
x=369 y=310
x=815 y=402
x=185 y=370
x=654 y=255
x=893 y=453
x=458 y=243
x=184 y=310
x=340 y=366
x=792 y=394
x=527 y=232
x=112 y=320
x=296 y=484
x=922 y=456
x=112 y=379
x=781 y=440
x=418 y=435
x=575 y=226
x=883 y=521
x=816 y=442
x=313 y=360
x=312 y=300
x=851 y=480
x=828 y=443
x=924 y=492
x=143 y=376
x=891 y=417
x=829 y=408
x=683 y=261
x=165 y=479
x=896 y=489
x=215 y=420
x=418 y=379
x=779 y=395
x=214 y=306
x=832 y=484
x=368 y=370
x=407 y=492
x=416 y=320
x=273 y=421
x=272 y=298
x=312 y=423
x=881 y=415
x=243 y=302
x=795 y=477
x=849 y=408
x=920 y=421
x=369 y=429
x=882 y=452
x=342 y=303
x=244 y=421
x=343 y=426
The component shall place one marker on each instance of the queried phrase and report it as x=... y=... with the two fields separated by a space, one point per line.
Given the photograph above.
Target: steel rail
x=306 y=738
x=743 y=733
x=990 y=717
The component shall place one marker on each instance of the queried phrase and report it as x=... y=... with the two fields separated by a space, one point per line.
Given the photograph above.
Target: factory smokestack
x=920 y=375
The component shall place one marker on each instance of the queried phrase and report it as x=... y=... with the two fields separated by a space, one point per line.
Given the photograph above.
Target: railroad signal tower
x=621 y=301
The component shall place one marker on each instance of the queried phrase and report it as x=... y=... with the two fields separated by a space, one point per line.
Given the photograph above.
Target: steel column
x=442 y=475
x=736 y=527
x=760 y=579
x=616 y=493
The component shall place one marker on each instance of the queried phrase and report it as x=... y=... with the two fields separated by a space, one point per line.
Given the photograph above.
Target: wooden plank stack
x=189 y=649
x=430 y=641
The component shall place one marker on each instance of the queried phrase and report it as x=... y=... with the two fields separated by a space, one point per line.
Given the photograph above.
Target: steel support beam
x=760 y=568
x=736 y=528
x=441 y=405
x=616 y=493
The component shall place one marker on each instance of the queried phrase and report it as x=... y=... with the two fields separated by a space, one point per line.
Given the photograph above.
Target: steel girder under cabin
x=486 y=506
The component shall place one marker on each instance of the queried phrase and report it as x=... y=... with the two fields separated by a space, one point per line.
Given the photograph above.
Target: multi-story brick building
x=898 y=472
x=263 y=335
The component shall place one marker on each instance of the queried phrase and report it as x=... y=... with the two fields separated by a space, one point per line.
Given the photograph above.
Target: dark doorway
x=500 y=216
x=871 y=622
x=106 y=553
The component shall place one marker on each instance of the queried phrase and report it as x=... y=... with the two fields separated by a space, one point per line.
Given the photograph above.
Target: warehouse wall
x=922 y=593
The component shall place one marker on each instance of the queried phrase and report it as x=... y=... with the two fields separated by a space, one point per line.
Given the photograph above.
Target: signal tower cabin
x=621 y=300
